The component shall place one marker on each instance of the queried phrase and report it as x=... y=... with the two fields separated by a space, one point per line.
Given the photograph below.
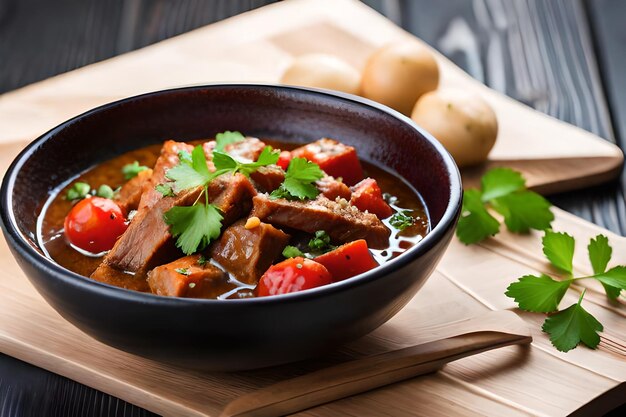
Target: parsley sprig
x=543 y=294
x=197 y=225
x=299 y=180
x=227 y=138
x=503 y=190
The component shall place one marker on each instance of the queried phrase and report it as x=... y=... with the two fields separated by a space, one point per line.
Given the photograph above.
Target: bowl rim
x=12 y=231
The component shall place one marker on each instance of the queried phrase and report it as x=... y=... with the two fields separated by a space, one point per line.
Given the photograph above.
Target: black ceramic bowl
x=232 y=334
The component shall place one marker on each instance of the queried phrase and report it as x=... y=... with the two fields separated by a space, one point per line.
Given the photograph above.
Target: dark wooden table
x=562 y=57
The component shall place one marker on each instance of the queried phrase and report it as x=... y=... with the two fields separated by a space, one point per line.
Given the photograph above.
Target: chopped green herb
x=78 y=191
x=292 y=252
x=105 y=191
x=299 y=180
x=165 y=189
x=183 y=271
x=321 y=242
x=226 y=138
x=504 y=191
x=131 y=170
x=202 y=260
x=402 y=220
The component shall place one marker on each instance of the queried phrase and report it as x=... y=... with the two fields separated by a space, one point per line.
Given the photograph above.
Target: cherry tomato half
x=94 y=224
x=291 y=275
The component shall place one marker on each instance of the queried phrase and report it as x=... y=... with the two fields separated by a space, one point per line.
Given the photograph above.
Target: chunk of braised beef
x=189 y=277
x=247 y=253
x=129 y=195
x=339 y=219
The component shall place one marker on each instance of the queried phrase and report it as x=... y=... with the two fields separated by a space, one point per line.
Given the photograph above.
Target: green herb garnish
x=299 y=180
x=202 y=260
x=402 y=220
x=226 y=138
x=132 y=170
x=321 y=242
x=223 y=161
x=78 y=191
x=195 y=226
x=105 y=191
x=542 y=294
x=183 y=271
x=504 y=191
x=165 y=190
x=292 y=252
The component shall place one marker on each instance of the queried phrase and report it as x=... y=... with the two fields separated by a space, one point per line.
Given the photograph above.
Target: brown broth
x=55 y=245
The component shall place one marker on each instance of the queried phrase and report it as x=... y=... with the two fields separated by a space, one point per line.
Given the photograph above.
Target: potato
x=322 y=71
x=398 y=74
x=463 y=122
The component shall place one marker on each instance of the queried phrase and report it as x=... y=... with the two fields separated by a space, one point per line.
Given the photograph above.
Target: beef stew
x=264 y=218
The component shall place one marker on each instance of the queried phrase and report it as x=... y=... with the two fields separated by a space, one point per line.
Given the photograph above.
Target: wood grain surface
x=489 y=402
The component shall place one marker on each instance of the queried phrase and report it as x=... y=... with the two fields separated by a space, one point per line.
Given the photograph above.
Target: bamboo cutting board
x=470 y=280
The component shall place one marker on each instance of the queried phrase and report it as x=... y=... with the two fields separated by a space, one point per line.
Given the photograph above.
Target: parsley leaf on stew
x=226 y=138
x=190 y=174
x=539 y=294
x=299 y=180
x=131 y=170
x=571 y=326
x=475 y=223
x=78 y=191
x=292 y=252
x=321 y=242
x=402 y=219
x=165 y=189
x=105 y=191
x=559 y=249
x=226 y=163
x=194 y=226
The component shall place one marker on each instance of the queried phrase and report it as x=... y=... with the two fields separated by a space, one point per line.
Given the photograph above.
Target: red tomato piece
x=335 y=159
x=291 y=275
x=366 y=195
x=283 y=159
x=94 y=224
x=348 y=260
